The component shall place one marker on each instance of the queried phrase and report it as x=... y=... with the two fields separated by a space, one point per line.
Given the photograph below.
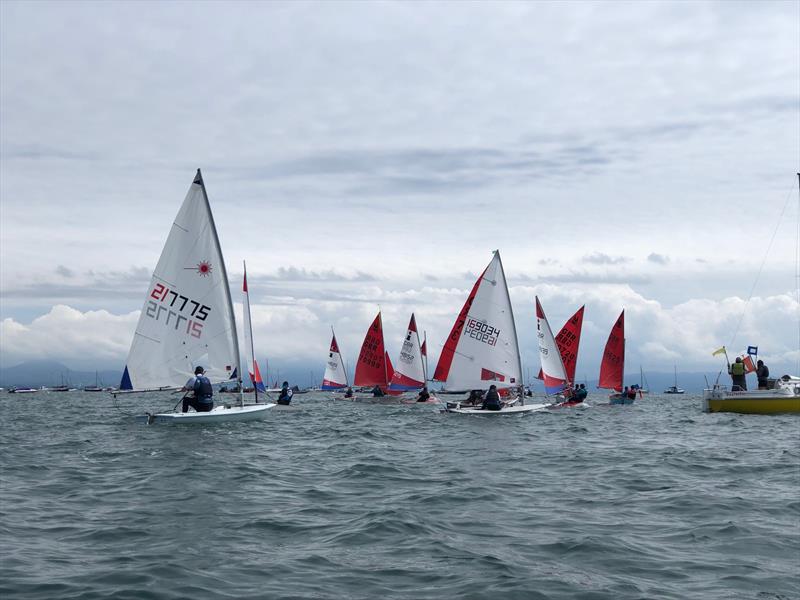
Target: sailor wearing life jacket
x=738 y=375
x=202 y=394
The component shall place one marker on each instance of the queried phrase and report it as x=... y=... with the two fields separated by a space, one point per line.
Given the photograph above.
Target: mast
x=237 y=362
x=513 y=325
x=250 y=324
x=385 y=372
x=425 y=361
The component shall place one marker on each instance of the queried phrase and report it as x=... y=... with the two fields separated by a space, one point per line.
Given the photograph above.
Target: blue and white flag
x=752 y=350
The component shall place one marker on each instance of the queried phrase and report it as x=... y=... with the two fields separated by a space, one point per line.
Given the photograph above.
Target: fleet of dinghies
x=187 y=321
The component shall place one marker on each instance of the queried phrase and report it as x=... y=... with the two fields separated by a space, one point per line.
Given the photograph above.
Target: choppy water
x=342 y=500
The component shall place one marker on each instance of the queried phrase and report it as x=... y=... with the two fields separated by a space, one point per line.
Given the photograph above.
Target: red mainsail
x=371 y=366
x=568 y=340
x=613 y=366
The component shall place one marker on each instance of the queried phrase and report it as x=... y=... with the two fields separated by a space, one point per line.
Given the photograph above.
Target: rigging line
x=760 y=269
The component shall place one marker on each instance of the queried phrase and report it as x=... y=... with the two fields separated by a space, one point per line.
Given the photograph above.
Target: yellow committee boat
x=784 y=397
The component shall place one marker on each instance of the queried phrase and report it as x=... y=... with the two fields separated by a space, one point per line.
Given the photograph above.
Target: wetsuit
x=285 y=397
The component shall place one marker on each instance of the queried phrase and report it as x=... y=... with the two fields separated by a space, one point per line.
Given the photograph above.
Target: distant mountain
x=49 y=372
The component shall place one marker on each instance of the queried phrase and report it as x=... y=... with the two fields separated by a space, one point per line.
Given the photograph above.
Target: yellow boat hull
x=754 y=406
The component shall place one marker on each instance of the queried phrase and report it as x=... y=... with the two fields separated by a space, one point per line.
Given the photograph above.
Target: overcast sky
x=357 y=155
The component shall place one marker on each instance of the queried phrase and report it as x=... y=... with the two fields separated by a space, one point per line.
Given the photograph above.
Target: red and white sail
x=568 y=340
x=553 y=372
x=482 y=347
x=371 y=367
x=612 y=368
x=252 y=364
x=410 y=371
x=335 y=374
x=424 y=352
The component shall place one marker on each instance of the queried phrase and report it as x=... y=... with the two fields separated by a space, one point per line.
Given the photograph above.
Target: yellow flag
x=720 y=351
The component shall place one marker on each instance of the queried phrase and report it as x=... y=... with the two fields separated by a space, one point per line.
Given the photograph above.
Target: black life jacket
x=202 y=388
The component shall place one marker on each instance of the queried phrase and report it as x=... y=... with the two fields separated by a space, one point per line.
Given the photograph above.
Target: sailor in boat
x=377 y=392
x=202 y=394
x=349 y=392
x=424 y=395
x=492 y=399
x=631 y=393
x=762 y=372
x=286 y=394
x=579 y=394
x=738 y=375
x=475 y=398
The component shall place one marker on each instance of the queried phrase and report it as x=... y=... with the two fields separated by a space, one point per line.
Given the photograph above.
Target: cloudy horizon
x=357 y=156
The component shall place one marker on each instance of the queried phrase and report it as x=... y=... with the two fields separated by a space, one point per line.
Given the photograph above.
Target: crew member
x=202 y=394
x=737 y=373
x=492 y=399
x=286 y=394
x=762 y=372
x=423 y=395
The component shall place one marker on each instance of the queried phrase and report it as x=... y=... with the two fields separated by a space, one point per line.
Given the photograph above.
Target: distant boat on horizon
x=674 y=389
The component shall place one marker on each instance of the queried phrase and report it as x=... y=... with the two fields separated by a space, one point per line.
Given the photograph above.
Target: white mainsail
x=187 y=318
x=482 y=348
x=335 y=373
x=553 y=371
x=409 y=372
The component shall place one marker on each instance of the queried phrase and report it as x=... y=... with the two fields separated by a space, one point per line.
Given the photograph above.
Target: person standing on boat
x=202 y=398
x=424 y=395
x=762 y=372
x=492 y=399
x=737 y=373
x=286 y=394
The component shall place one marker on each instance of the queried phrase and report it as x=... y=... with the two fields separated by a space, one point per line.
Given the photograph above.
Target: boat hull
x=620 y=400
x=506 y=410
x=756 y=402
x=220 y=414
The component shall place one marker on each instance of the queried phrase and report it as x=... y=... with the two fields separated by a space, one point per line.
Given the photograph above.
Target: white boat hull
x=220 y=414
x=506 y=410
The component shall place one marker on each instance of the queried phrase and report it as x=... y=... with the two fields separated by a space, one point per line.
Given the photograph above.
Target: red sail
x=449 y=349
x=334 y=345
x=389 y=367
x=568 y=340
x=613 y=365
x=371 y=365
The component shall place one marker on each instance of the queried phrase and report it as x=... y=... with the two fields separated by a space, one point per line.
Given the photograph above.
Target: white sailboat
x=187 y=319
x=409 y=374
x=335 y=377
x=674 y=389
x=482 y=347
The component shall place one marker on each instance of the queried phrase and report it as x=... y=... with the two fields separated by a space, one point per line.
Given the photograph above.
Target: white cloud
x=292 y=329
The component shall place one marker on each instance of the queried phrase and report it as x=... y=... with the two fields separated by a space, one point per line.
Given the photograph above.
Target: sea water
x=346 y=500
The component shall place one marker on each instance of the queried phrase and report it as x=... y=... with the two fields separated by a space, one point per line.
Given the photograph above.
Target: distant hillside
x=49 y=372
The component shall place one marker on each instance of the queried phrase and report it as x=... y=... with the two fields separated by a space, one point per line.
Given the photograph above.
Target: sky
x=372 y=155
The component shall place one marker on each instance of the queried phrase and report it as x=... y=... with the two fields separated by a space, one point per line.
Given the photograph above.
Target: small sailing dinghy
x=554 y=371
x=612 y=367
x=373 y=368
x=482 y=347
x=568 y=341
x=335 y=377
x=187 y=319
x=410 y=372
